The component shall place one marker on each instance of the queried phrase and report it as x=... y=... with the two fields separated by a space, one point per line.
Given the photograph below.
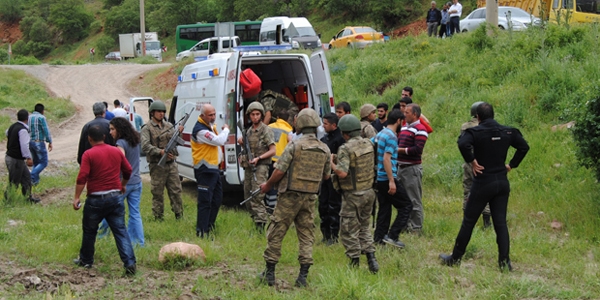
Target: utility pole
x=491 y=15
x=143 y=27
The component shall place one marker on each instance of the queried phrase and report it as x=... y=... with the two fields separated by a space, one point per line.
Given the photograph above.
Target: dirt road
x=84 y=85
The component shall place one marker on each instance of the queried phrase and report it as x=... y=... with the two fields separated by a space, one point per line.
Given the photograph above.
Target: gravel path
x=84 y=85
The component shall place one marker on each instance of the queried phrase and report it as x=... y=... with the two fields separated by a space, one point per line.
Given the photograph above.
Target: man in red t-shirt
x=101 y=170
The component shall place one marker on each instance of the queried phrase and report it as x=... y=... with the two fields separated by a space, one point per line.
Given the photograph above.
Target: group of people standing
x=448 y=19
x=346 y=163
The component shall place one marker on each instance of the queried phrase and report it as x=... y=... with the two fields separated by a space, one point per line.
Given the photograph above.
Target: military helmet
x=157 y=105
x=255 y=106
x=366 y=110
x=307 y=117
x=474 y=108
x=349 y=123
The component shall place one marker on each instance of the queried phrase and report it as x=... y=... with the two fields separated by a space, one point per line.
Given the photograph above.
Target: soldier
x=274 y=103
x=367 y=115
x=468 y=170
x=354 y=173
x=155 y=136
x=262 y=146
x=300 y=169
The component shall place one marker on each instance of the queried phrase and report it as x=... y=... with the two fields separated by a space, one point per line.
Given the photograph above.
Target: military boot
x=301 y=280
x=268 y=275
x=260 y=227
x=354 y=262
x=373 y=265
x=505 y=265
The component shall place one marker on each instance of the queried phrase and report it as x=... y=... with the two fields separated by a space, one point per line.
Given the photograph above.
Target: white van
x=284 y=30
x=208 y=46
x=217 y=81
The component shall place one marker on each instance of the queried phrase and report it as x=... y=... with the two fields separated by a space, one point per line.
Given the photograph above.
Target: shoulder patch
x=208 y=136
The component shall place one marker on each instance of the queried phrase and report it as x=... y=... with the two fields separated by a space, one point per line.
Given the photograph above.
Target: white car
x=208 y=46
x=508 y=17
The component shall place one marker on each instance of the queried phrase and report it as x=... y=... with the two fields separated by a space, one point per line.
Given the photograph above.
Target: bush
x=95 y=27
x=104 y=45
x=3 y=56
x=10 y=10
x=26 y=60
x=587 y=135
x=57 y=62
x=478 y=40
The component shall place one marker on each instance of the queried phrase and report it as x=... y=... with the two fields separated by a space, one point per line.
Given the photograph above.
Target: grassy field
x=535 y=80
x=20 y=91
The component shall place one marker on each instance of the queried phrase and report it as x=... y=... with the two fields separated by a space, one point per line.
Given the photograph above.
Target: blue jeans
x=210 y=197
x=112 y=209
x=135 y=228
x=39 y=154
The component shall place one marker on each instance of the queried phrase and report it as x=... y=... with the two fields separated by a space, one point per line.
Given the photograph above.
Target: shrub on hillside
x=105 y=44
x=10 y=10
x=3 y=56
x=71 y=20
x=587 y=135
x=26 y=60
x=95 y=27
x=478 y=40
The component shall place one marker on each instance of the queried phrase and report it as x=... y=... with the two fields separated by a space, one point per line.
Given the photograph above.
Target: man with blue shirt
x=40 y=135
x=391 y=192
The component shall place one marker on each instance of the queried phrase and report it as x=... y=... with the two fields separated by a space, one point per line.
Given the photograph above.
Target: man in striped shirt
x=40 y=135
x=411 y=141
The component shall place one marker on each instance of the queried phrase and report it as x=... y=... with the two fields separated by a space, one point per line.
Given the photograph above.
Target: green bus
x=187 y=36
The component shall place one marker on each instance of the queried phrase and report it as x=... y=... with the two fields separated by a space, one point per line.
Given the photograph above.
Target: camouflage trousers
x=298 y=208
x=467 y=183
x=355 y=219
x=256 y=206
x=159 y=179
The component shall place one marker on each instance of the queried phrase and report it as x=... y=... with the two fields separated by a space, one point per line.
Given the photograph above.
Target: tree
x=587 y=135
x=71 y=20
x=123 y=19
x=10 y=10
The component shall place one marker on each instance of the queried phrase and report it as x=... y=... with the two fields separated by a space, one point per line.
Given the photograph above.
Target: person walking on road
x=18 y=156
x=101 y=169
x=156 y=134
x=304 y=163
x=40 y=135
x=485 y=147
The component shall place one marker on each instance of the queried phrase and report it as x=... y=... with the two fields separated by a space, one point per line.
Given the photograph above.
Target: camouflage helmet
x=255 y=106
x=307 y=117
x=366 y=110
x=157 y=105
x=349 y=123
x=474 y=108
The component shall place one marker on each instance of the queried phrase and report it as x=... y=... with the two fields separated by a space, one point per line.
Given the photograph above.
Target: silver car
x=508 y=18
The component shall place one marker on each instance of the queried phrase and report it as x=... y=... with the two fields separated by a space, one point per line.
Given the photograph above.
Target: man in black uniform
x=330 y=201
x=485 y=147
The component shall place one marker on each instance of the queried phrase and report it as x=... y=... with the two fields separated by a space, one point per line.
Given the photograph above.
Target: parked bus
x=187 y=36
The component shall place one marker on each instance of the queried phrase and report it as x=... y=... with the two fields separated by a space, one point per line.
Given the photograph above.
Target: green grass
x=20 y=91
x=534 y=80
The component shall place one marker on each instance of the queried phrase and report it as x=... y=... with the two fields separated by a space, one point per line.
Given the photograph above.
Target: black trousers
x=400 y=201
x=330 y=204
x=495 y=191
x=454 y=24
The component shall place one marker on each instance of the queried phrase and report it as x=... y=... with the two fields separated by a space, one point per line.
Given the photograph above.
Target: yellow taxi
x=356 y=37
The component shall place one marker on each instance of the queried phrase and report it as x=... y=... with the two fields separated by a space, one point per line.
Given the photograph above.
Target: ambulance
x=216 y=80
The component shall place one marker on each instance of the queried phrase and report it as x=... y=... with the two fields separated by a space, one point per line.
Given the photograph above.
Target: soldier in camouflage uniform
x=155 y=136
x=262 y=145
x=354 y=175
x=300 y=169
x=273 y=103
x=468 y=169
x=367 y=115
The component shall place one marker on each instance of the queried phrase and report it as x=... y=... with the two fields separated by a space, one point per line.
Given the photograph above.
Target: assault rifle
x=175 y=140
x=252 y=194
x=247 y=149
